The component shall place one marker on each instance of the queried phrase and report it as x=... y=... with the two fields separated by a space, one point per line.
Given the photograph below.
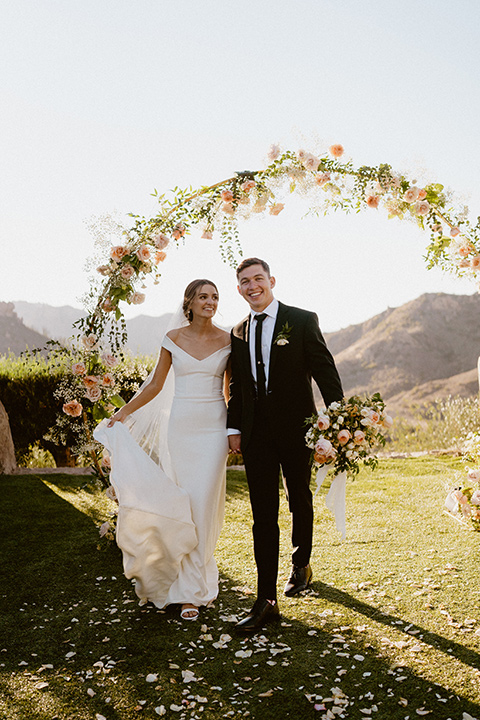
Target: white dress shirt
x=267 y=336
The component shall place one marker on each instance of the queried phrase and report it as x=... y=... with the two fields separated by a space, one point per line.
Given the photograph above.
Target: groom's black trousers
x=266 y=453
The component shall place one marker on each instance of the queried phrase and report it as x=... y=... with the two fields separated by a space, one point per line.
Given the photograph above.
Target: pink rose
x=90 y=381
x=137 y=298
x=207 y=235
x=422 y=194
x=107 y=464
x=310 y=162
x=474 y=475
x=109 y=360
x=454 y=232
x=274 y=152
x=276 y=209
x=89 y=341
x=143 y=253
x=73 y=408
x=127 y=272
x=343 y=437
x=108 y=380
x=302 y=155
x=93 y=393
x=475 y=262
x=103 y=270
x=227 y=196
x=421 y=207
x=411 y=195
x=161 y=241
x=323 y=421
x=79 y=368
x=372 y=201
x=248 y=185
x=160 y=256
x=475 y=499
x=322 y=178
x=111 y=494
x=104 y=529
x=178 y=231
x=387 y=421
x=323 y=446
x=358 y=437
x=118 y=252
x=336 y=150
x=108 y=305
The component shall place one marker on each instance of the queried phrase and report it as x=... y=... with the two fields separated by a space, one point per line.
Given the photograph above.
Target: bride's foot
x=189 y=612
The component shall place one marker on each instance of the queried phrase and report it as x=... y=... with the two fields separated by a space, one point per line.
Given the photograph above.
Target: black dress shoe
x=262 y=613
x=299 y=580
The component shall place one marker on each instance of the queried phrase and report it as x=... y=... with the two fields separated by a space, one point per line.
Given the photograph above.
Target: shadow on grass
x=67 y=605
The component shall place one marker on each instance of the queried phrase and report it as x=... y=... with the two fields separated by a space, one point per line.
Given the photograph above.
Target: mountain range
x=425 y=349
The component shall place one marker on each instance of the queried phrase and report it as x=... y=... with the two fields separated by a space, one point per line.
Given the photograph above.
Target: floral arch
x=328 y=180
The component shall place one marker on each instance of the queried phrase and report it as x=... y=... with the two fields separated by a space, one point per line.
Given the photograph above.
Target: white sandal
x=189 y=609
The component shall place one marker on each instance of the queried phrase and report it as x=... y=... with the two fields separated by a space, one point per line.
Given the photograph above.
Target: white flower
x=282 y=341
x=334 y=406
x=137 y=298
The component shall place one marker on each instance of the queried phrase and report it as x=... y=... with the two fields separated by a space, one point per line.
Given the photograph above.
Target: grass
x=389 y=629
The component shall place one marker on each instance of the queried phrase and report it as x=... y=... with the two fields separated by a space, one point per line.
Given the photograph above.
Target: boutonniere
x=283 y=335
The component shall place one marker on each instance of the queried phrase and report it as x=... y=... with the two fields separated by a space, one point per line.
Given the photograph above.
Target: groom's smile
x=255 y=285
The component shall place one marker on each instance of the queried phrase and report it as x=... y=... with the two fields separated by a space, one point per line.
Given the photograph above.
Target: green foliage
x=441 y=425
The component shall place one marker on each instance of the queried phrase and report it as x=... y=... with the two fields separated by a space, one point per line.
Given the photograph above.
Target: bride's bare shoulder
x=174 y=334
x=225 y=336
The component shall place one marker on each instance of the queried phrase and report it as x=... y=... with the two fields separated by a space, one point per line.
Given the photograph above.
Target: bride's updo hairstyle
x=190 y=294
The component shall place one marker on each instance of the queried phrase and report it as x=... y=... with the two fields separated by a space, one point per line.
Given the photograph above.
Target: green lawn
x=390 y=628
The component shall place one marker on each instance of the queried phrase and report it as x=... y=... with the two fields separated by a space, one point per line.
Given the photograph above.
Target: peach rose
x=89 y=341
x=127 y=272
x=276 y=209
x=421 y=207
x=103 y=270
x=90 y=381
x=160 y=256
x=118 y=252
x=422 y=194
x=372 y=201
x=475 y=262
x=387 y=421
x=411 y=195
x=311 y=162
x=323 y=421
x=107 y=464
x=464 y=250
x=79 y=368
x=324 y=451
x=228 y=208
x=302 y=155
x=109 y=360
x=475 y=499
x=161 y=241
x=93 y=393
x=454 y=232
x=273 y=152
x=207 y=235
x=73 y=408
x=358 y=437
x=336 y=150
x=178 y=231
x=108 y=305
x=108 y=380
x=143 y=253
x=343 y=437
x=227 y=196
x=137 y=298
x=248 y=185
x=322 y=178
x=437 y=228
x=463 y=263
x=110 y=492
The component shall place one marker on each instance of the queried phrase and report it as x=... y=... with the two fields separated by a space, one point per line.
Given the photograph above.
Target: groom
x=276 y=351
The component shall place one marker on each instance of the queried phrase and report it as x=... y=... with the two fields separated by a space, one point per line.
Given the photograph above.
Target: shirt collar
x=271 y=310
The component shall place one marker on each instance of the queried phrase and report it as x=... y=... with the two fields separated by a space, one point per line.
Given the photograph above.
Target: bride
x=172 y=495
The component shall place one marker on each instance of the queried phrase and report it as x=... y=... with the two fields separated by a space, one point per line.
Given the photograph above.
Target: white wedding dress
x=168 y=525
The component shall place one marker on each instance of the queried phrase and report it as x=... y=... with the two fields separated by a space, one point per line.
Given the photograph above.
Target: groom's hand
x=234 y=442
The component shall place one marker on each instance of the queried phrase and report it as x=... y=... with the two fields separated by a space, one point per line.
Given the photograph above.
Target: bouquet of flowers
x=463 y=501
x=344 y=435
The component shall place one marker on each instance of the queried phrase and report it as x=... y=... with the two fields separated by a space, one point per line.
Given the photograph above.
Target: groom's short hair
x=248 y=262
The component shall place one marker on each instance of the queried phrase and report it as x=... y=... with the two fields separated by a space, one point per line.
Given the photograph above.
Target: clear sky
x=105 y=100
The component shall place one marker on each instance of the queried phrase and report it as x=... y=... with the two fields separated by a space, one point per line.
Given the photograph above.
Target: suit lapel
x=282 y=317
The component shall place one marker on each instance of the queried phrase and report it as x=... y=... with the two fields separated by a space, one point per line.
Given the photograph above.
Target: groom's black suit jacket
x=292 y=366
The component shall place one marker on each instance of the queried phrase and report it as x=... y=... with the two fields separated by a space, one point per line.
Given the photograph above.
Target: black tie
x=261 y=381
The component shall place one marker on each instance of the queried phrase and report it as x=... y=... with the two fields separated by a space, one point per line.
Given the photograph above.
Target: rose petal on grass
x=161 y=710
x=152 y=677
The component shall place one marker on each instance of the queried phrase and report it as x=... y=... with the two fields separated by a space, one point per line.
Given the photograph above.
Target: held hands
x=234 y=443
x=119 y=416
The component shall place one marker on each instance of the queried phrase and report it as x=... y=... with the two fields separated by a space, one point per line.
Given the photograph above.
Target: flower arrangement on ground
x=345 y=435
x=463 y=500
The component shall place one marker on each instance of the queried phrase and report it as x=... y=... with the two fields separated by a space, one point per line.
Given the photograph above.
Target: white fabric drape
x=335 y=500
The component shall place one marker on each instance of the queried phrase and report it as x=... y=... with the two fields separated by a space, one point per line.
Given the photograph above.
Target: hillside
x=15 y=337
